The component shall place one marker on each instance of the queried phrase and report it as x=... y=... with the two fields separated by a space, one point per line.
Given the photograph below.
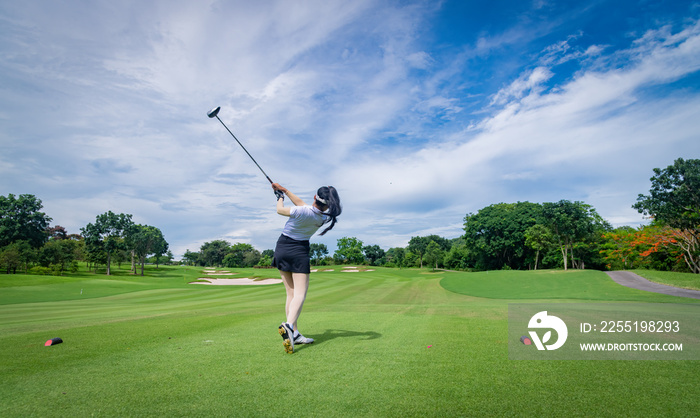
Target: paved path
x=629 y=279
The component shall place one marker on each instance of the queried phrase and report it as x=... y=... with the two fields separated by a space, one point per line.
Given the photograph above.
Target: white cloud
x=530 y=83
x=594 y=127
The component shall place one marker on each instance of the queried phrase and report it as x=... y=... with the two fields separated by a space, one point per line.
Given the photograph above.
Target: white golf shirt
x=303 y=222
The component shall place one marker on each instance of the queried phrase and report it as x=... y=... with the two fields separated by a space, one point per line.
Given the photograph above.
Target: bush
x=265 y=261
x=44 y=271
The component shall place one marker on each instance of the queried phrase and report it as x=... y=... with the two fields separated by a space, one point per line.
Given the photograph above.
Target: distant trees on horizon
x=29 y=244
x=521 y=235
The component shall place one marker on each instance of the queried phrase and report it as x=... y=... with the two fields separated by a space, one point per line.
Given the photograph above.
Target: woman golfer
x=292 y=251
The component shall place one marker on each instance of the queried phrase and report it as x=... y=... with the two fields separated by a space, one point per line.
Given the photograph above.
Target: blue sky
x=418 y=112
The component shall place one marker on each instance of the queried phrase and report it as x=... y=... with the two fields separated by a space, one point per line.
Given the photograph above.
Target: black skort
x=292 y=255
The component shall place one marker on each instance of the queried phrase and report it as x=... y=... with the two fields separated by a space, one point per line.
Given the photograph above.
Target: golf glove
x=279 y=195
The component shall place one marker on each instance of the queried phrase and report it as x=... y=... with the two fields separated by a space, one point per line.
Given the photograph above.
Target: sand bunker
x=236 y=282
x=345 y=270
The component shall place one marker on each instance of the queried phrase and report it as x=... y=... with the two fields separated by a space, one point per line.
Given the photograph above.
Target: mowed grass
x=671 y=278
x=388 y=343
x=582 y=285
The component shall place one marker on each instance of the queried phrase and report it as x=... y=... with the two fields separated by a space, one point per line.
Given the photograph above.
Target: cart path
x=629 y=279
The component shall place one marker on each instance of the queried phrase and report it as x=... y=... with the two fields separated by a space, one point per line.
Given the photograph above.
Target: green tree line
x=526 y=235
x=567 y=234
x=221 y=253
x=563 y=234
x=521 y=235
x=29 y=244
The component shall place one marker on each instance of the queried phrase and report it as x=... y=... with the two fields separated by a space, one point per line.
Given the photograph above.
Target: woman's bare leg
x=289 y=287
x=296 y=285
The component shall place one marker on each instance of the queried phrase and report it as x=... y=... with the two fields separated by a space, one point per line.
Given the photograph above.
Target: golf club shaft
x=246 y=151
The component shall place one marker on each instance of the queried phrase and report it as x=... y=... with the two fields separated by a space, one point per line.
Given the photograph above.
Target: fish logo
x=550 y=322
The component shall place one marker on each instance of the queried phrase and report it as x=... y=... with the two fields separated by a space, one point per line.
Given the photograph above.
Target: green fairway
x=389 y=342
x=682 y=280
x=547 y=284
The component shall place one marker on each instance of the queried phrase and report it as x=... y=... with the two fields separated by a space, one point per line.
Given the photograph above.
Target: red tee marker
x=53 y=341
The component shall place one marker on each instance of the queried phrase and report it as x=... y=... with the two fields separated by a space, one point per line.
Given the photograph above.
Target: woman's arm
x=294 y=198
x=281 y=209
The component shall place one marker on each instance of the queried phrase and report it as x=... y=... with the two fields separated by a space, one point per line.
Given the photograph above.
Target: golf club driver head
x=212 y=113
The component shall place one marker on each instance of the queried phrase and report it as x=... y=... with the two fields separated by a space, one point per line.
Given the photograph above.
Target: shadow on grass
x=331 y=334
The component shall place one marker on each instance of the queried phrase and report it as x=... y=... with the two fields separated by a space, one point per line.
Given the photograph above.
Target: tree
x=19 y=254
x=619 y=248
x=59 y=232
x=213 y=253
x=10 y=258
x=145 y=240
x=160 y=247
x=571 y=223
x=232 y=260
x=674 y=199
x=267 y=256
x=652 y=246
x=434 y=254
x=56 y=232
x=265 y=260
x=411 y=259
x=251 y=258
x=349 y=250
x=395 y=257
x=59 y=255
x=458 y=255
x=418 y=245
x=190 y=258
x=317 y=252
x=539 y=238
x=21 y=219
x=94 y=256
x=107 y=234
x=373 y=253
x=241 y=255
x=495 y=236
x=139 y=241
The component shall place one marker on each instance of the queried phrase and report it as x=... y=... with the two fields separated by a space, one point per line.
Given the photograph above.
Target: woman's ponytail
x=330 y=199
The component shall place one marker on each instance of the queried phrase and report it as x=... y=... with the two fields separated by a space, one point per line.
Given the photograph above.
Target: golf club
x=214 y=113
